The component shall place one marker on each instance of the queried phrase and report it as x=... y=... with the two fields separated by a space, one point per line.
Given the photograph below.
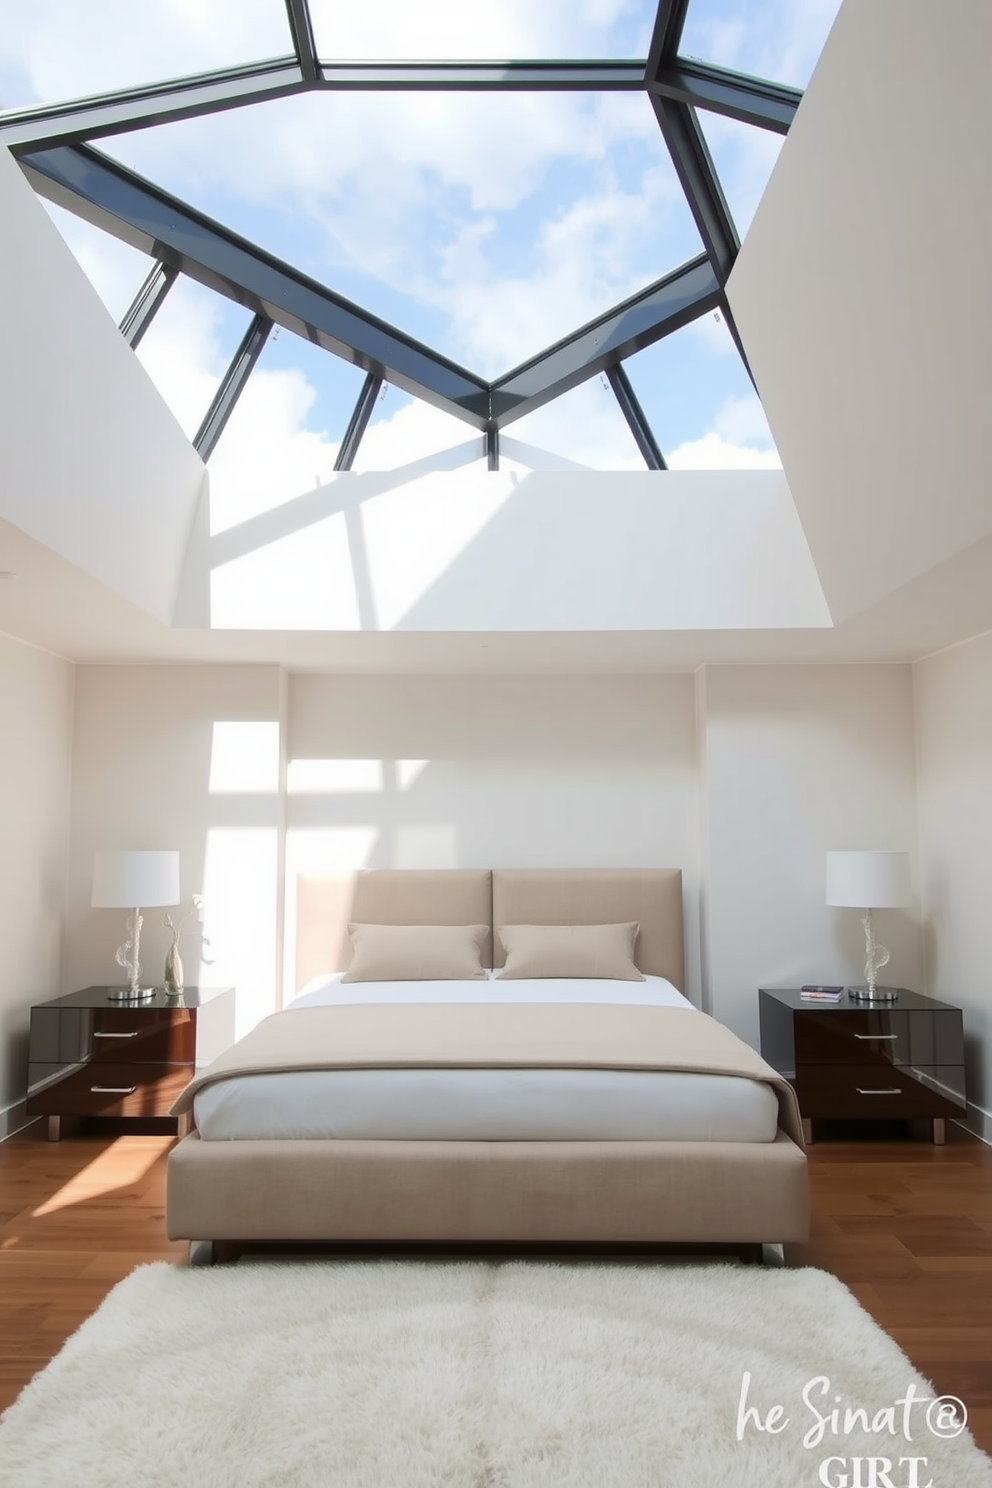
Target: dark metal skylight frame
x=49 y=143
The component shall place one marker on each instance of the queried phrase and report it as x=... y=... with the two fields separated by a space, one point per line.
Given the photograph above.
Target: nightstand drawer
x=69 y=1035
x=111 y=1089
x=869 y=1091
x=861 y=1036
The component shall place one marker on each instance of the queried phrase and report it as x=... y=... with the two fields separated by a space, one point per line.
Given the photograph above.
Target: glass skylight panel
x=501 y=30
x=486 y=226
x=188 y=346
x=744 y=157
x=775 y=39
x=584 y=429
x=700 y=402
x=61 y=49
x=115 y=269
x=283 y=437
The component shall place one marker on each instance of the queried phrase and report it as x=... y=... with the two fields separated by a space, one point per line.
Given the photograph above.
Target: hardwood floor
x=906 y=1225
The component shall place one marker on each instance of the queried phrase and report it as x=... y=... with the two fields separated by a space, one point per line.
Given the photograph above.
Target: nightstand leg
x=54 y=1128
x=939 y=1131
x=808 y=1131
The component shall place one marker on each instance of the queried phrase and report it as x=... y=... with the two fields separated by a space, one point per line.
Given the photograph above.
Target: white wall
x=954 y=752
x=35 y=760
x=799 y=760
x=494 y=551
x=863 y=296
x=181 y=757
x=93 y=463
x=497 y=772
x=752 y=771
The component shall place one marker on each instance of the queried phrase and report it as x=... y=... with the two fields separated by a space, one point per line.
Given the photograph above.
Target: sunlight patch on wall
x=244 y=758
x=303 y=581
x=414 y=534
x=408 y=772
x=239 y=903
x=325 y=777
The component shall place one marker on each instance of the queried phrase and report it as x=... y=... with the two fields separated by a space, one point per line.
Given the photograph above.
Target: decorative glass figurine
x=173 y=960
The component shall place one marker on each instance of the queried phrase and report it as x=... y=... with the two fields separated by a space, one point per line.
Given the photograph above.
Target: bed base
x=470 y=1194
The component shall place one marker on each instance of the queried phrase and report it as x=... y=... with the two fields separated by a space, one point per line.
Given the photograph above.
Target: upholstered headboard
x=325 y=903
x=598 y=896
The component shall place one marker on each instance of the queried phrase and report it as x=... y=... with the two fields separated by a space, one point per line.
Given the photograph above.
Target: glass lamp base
x=130 y=994
x=880 y=994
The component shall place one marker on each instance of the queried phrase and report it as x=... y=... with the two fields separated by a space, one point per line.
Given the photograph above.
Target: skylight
x=444 y=30
x=496 y=220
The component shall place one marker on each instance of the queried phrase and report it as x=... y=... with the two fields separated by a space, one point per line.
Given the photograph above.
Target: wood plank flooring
x=906 y=1225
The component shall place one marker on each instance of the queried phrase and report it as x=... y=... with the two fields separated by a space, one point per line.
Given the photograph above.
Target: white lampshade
x=868 y=880
x=135 y=880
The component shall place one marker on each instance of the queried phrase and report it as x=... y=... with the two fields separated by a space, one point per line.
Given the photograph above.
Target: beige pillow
x=416 y=953
x=570 y=951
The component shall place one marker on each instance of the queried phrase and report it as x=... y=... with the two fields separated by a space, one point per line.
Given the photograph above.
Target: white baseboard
x=13 y=1119
x=979 y=1122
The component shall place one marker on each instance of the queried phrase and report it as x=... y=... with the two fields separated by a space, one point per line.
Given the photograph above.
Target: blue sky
x=486 y=225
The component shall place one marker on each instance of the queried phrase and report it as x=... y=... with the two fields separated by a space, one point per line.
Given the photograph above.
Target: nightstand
x=854 y=1060
x=90 y=1056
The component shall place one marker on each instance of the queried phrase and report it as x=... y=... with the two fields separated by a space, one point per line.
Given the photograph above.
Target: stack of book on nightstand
x=817 y=992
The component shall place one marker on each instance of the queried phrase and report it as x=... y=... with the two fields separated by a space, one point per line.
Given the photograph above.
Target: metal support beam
x=752 y=100
x=634 y=414
x=728 y=316
x=667 y=35
x=492 y=446
x=301 y=27
x=147 y=302
x=148 y=218
x=692 y=162
x=232 y=386
x=663 y=307
x=211 y=92
x=358 y=422
x=136 y=108
x=496 y=77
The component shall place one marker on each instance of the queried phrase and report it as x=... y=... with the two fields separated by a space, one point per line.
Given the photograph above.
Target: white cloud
x=713 y=452
x=742 y=421
x=451 y=29
x=65 y=49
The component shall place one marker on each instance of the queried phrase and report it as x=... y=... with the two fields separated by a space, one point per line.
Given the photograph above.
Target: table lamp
x=867 y=881
x=125 y=880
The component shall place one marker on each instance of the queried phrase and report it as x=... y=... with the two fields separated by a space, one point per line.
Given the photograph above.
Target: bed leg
x=750 y=1254
x=201 y=1253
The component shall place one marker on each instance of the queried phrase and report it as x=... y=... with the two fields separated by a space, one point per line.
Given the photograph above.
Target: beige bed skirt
x=728 y=1192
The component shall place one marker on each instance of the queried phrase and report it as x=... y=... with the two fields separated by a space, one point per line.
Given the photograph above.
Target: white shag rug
x=403 y=1374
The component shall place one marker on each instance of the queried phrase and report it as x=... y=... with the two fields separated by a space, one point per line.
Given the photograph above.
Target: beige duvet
x=479 y=1035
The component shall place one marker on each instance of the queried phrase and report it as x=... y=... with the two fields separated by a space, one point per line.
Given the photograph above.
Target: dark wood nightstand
x=91 y=1056
x=858 y=1060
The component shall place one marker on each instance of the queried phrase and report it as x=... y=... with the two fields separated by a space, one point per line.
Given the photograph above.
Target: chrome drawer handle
x=113 y=1089
x=116 y=1035
x=895 y=1091
x=876 y=1035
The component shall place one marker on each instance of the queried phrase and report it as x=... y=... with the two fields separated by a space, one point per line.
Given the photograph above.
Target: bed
x=519 y=1112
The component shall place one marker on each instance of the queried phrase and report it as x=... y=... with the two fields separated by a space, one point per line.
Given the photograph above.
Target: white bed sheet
x=496 y=1105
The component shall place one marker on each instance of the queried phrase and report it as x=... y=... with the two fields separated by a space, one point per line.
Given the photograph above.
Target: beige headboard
x=599 y=896
x=325 y=903
x=383 y=896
